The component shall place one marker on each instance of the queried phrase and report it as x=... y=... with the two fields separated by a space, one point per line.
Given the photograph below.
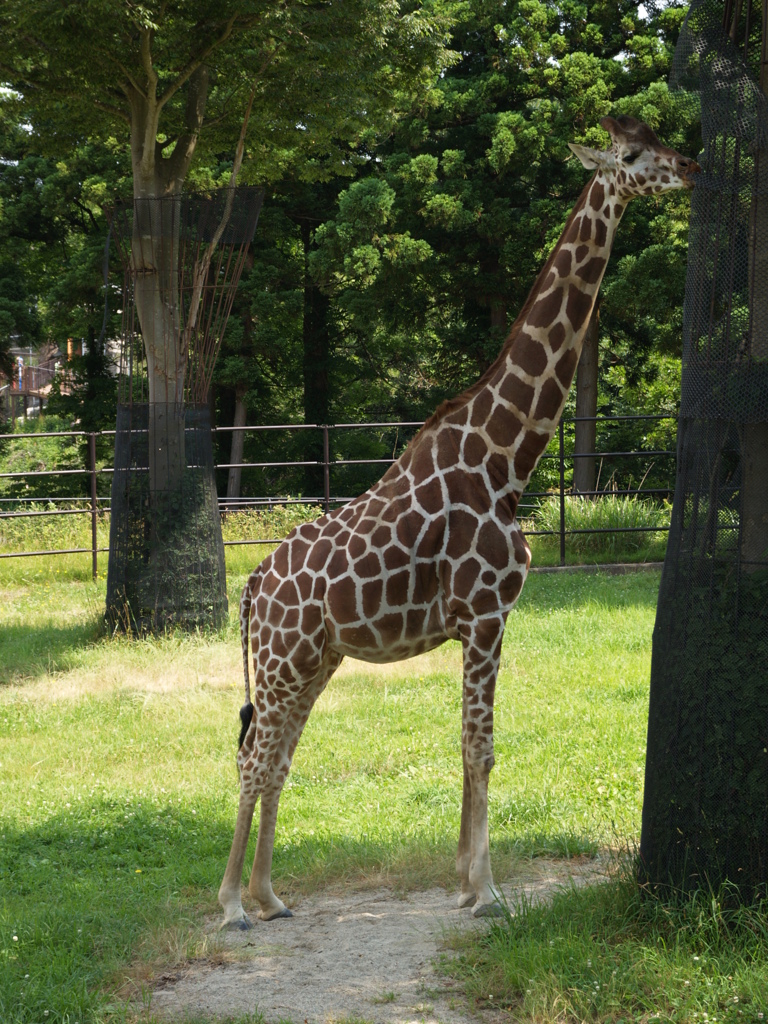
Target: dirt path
x=366 y=955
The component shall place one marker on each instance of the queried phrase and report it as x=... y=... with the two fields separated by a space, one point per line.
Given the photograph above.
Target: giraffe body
x=433 y=551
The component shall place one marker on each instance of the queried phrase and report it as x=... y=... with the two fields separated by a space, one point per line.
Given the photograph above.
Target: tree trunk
x=499 y=315
x=316 y=366
x=238 y=440
x=586 y=405
x=155 y=255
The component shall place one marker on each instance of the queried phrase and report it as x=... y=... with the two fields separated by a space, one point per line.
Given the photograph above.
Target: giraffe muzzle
x=686 y=168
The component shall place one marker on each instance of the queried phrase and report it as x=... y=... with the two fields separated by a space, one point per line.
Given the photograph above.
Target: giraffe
x=433 y=550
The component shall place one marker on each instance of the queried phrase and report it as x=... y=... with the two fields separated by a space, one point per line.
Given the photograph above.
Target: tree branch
x=146 y=60
x=199 y=58
x=202 y=268
x=192 y=65
x=115 y=111
x=152 y=109
x=197 y=95
x=81 y=206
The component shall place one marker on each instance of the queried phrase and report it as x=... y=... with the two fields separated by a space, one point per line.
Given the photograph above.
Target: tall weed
x=271 y=523
x=611 y=512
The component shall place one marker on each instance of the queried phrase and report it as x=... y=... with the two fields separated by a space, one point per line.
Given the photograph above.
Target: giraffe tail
x=246 y=711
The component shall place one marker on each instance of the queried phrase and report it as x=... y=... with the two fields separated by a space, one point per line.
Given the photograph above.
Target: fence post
x=562 y=492
x=326 y=469
x=92 y=467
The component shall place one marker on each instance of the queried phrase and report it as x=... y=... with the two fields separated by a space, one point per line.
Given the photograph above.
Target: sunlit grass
x=611 y=952
x=60 y=532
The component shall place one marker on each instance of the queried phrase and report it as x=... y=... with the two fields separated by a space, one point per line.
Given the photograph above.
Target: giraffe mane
x=451 y=405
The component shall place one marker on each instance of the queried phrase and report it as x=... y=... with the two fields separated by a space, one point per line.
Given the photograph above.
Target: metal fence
x=91 y=504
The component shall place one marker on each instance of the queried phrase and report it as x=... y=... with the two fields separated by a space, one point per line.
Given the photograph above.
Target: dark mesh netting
x=705 y=812
x=166 y=556
x=182 y=258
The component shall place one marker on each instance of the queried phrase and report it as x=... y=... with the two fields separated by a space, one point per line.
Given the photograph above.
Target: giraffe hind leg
x=230 y=891
x=230 y=896
x=260 y=885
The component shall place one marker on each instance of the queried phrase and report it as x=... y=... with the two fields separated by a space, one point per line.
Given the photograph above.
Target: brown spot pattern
x=530 y=355
x=578 y=307
x=517 y=392
x=550 y=399
x=592 y=270
x=531 y=447
x=545 y=310
x=562 y=262
x=566 y=367
x=556 y=336
x=475 y=450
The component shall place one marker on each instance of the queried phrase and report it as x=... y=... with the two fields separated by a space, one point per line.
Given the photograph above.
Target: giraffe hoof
x=467 y=899
x=494 y=909
x=285 y=912
x=243 y=924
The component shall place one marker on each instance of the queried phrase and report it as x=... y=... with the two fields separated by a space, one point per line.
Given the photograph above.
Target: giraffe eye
x=630 y=158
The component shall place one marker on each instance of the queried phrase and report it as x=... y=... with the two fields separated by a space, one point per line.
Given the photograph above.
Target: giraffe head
x=637 y=163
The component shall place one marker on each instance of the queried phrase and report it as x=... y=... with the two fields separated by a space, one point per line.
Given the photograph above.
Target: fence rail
x=95 y=505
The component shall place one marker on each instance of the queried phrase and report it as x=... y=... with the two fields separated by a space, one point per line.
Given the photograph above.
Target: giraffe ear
x=592 y=158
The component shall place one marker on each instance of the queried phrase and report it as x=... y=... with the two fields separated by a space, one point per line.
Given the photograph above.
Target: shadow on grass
x=83 y=894
x=614 y=951
x=32 y=651
x=98 y=890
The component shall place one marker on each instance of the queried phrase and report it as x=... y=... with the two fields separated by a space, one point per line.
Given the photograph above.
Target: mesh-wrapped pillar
x=166 y=555
x=705 y=811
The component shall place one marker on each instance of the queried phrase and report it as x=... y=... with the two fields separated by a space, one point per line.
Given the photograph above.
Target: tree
x=52 y=234
x=434 y=248
x=259 y=375
x=166 y=74
x=177 y=80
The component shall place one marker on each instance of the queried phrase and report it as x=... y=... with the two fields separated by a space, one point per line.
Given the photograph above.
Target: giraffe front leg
x=480 y=877
x=482 y=649
x=467 y=896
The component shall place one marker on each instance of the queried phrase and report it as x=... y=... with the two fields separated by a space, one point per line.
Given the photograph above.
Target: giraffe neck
x=519 y=401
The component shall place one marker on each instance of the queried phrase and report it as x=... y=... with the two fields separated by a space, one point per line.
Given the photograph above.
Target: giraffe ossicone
x=433 y=551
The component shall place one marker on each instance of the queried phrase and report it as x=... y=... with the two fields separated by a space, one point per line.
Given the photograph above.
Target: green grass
x=119 y=788
x=119 y=796
x=611 y=952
